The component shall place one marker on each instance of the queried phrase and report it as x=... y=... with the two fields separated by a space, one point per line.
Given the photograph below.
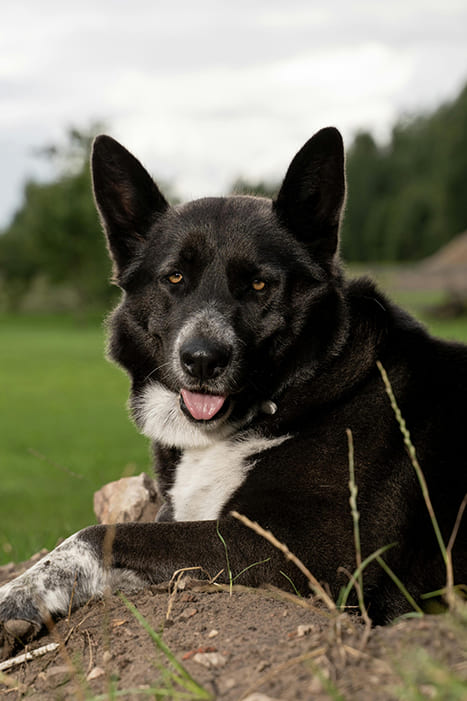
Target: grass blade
x=399 y=584
x=229 y=571
x=253 y=564
x=344 y=595
x=183 y=677
x=297 y=593
x=356 y=527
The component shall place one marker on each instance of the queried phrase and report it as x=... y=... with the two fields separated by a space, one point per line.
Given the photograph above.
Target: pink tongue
x=202 y=406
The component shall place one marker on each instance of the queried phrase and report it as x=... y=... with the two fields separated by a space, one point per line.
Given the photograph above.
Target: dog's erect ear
x=127 y=198
x=312 y=195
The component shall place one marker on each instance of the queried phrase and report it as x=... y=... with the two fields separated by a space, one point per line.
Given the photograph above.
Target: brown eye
x=175 y=278
x=258 y=285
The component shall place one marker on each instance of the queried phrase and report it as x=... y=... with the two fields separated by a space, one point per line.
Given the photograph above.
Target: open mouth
x=203 y=407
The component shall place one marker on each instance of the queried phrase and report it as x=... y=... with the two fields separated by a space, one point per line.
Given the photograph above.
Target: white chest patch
x=207 y=477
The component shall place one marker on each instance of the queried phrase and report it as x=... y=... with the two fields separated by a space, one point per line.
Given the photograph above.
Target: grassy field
x=64 y=429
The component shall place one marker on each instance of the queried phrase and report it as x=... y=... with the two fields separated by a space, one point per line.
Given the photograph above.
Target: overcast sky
x=205 y=90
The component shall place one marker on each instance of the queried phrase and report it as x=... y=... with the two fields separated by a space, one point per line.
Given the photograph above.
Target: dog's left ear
x=312 y=195
x=127 y=198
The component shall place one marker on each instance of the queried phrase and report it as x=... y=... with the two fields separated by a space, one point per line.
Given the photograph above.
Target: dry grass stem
x=47 y=460
x=446 y=552
x=91 y=656
x=60 y=642
x=450 y=595
x=314 y=584
x=28 y=656
x=107 y=545
x=70 y=605
x=175 y=581
x=413 y=457
x=356 y=528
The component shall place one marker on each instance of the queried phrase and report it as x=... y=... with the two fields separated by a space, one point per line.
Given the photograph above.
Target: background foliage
x=53 y=253
x=406 y=198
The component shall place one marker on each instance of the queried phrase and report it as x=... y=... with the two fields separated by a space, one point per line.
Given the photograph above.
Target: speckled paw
x=16 y=633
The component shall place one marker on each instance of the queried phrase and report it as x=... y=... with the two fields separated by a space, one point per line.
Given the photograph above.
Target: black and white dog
x=250 y=354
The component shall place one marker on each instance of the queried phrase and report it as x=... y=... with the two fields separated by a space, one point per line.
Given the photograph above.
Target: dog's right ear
x=127 y=198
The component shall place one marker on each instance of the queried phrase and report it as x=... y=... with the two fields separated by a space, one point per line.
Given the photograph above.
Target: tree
x=56 y=234
x=407 y=198
x=243 y=186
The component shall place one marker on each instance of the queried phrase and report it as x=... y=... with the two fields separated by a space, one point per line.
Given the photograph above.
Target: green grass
x=452 y=329
x=60 y=399
x=177 y=682
x=420 y=302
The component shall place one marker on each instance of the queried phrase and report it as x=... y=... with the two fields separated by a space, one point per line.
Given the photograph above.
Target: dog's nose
x=204 y=359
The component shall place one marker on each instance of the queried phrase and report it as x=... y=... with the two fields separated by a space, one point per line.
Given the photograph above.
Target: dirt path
x=240 y=645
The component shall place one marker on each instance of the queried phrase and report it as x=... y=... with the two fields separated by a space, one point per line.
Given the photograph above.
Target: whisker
x=159 y=367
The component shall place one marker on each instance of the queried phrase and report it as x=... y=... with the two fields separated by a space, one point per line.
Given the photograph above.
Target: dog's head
x=225 y=300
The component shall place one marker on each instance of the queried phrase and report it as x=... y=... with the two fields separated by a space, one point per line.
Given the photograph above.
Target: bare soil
x=255 y=644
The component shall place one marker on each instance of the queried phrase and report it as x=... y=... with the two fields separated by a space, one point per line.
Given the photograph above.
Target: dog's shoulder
x=427 y=375
x=399 y=336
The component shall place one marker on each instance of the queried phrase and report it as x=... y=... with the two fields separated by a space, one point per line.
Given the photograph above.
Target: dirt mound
x=445 y=270
x=253 y=644
x=452 y=255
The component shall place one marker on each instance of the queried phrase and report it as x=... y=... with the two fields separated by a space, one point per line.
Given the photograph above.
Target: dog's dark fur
x=250 y=354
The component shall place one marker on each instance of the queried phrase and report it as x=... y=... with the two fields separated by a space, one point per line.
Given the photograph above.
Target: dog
x=250 y=355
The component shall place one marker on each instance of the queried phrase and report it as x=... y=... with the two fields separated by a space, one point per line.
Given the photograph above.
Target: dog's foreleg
x=130 y=556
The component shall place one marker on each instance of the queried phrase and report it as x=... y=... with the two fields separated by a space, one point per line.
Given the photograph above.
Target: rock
x=58 y=673
x=315 y=686
x=261 y=666
x=127 y=499
x=187 y=613
x=210 y=659
x=95 y=673
x=259 y=697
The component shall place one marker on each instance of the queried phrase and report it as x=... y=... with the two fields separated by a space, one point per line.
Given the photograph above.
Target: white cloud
x=206 y=91
x=251 y=120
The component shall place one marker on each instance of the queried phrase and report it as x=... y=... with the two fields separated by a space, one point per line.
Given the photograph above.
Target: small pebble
x=259 y=697
x=210 y=659
x=95 y=673
x=61 y=670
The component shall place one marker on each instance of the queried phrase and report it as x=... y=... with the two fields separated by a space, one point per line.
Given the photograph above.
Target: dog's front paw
x=68 y=575
x=21 y=615
x=14 y=633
